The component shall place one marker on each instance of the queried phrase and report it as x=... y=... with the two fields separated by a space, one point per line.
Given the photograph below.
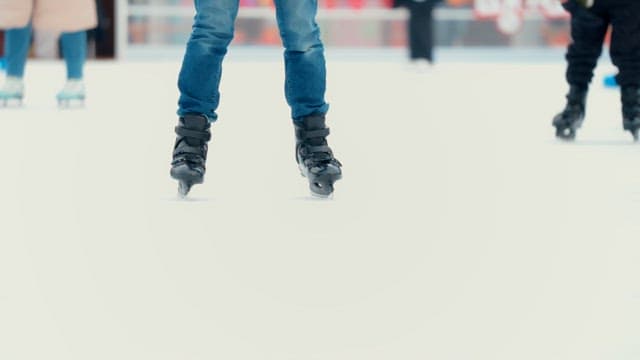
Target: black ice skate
x=314 y=156
x=570 y=119
x=631 y=110
x=190 y=151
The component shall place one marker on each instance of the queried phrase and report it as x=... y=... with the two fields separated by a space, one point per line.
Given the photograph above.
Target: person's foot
x=420 y=65
x=73 y=90
x=12 y=89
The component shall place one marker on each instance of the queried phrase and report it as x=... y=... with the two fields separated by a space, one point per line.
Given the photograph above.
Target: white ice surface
x=461 y=230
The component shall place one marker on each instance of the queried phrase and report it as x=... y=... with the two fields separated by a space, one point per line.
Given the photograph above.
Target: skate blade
x=186 y=179
x=11 y=103
x=320 y=196
x=566 y=134
x=183 y=189
x=65 y=104
x=322 y=188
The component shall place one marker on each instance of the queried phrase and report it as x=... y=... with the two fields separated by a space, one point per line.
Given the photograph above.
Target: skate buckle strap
x=188 y=160
x=187 y=149
x=196 y=134
x=315 y=133
x=318 y=149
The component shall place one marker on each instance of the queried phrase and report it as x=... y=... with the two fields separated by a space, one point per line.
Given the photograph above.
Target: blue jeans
x=305 y=73
x=18 y=42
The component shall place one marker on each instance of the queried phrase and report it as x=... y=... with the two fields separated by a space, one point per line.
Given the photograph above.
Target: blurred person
x=419 y=30
x=70 y=17
x=305 y=83
x=590 y=20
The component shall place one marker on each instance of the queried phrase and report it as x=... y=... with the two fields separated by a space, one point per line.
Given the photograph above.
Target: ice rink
x=462 y=229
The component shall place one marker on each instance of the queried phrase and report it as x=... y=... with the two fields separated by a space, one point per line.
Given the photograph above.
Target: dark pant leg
x=588 y=29
x=625 y=41
x=420 y=30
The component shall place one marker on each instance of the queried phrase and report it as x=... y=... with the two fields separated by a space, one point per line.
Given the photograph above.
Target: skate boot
x=190 y=151
x=13 y=89
x=631 y=110
x=570 y=119
x=73 y=91
x=315 y=158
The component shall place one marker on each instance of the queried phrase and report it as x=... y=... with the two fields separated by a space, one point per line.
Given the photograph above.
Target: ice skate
x=570 y=119
x=420 y=66
x=631 y=110
x=72 y=93
x=190 y=152
x=314 y=156
x=12 y=90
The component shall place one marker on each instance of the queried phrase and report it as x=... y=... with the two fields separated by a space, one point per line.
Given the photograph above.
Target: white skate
x=13 y=89
x=72 y=92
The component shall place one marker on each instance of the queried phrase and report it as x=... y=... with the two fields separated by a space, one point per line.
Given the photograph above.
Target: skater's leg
x=199 y=82
x=305 y=72
x=588 y=30
x=201 y=70
x=305 y=83
x=74 y=51
x=420 y=29
x=16 y=49
x=625 y=54
x=625 y=42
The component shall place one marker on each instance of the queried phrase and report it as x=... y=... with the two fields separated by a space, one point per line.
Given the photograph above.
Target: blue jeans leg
x=201 y=70
x=74 y=50
x=305 y=69
x=16 y=49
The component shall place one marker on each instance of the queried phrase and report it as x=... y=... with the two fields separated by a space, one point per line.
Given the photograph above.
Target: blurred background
x=160 y=28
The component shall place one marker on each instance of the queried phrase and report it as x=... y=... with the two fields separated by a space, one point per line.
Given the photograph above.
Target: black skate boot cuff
x=306 y=135
x=311 y=122
x=194 y=134
x=318 y=149
x=195 y=121
x=577 y=94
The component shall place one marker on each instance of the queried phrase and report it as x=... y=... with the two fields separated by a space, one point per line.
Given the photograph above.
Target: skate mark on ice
x=179 y=199
x=621 y=142
x=312 y=198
